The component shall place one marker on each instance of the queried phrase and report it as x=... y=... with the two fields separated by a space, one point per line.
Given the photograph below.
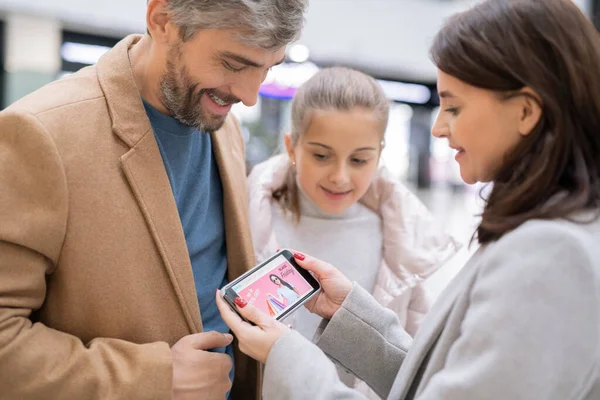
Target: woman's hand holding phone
x=256 y=341
x=334 y=286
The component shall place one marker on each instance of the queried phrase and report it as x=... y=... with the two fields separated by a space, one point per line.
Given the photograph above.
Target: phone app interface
x=274 y=288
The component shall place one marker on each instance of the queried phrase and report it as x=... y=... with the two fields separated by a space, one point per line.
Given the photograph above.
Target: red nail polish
x=241 y=303
x=299 y=256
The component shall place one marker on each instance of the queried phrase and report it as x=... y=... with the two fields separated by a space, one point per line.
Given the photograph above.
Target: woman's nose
x=439 y=128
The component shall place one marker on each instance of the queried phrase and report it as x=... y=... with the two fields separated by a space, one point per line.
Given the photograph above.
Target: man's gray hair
x=268 y=24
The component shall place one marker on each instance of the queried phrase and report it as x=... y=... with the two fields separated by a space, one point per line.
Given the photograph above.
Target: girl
x=329 y=197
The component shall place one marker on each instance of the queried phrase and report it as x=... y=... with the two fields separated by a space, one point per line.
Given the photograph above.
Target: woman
x=284 y=291
x=518 y=82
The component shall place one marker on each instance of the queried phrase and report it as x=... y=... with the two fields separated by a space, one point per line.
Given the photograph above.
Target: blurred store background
x=44 y=40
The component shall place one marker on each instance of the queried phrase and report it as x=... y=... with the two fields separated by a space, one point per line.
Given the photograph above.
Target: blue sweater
x=196 y=183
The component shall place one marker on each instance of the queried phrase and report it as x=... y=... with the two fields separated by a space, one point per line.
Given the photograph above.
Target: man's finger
x=210 y=340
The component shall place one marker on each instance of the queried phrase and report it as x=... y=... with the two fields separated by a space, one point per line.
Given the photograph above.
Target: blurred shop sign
x=406 y=92
x=284 y=80
x=82 y=53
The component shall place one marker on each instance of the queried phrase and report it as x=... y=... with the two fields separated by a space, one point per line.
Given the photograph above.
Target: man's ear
x=158 y=21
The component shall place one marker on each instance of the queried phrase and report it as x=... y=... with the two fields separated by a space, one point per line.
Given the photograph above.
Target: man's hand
x=198 y=373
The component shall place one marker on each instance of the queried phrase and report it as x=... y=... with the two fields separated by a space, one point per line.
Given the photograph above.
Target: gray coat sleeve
x=364 y=337
x=531 y=327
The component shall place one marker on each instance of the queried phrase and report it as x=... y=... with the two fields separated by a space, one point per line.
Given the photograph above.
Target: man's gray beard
x=178 y=96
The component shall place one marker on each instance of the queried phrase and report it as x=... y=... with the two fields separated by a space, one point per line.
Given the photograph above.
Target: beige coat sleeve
x=37 y=361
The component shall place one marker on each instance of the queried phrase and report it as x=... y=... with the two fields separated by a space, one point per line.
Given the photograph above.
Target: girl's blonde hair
x=331 y=89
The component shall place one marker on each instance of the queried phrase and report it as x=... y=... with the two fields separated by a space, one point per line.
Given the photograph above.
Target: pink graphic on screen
x=276 y=289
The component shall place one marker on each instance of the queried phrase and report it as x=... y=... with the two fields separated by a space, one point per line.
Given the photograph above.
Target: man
x=123 y=209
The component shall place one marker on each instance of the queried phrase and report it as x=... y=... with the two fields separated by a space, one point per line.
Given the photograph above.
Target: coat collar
x=129 y=120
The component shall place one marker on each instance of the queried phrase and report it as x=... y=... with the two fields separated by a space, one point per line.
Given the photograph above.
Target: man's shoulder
x=77 y=89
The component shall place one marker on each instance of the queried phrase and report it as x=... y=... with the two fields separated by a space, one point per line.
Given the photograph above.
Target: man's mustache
x=226 y=97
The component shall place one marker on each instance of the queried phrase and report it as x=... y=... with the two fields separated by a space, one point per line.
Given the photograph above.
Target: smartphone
x=277 y=287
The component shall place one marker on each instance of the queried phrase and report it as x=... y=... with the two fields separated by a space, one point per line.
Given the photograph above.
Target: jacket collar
x=129 y=120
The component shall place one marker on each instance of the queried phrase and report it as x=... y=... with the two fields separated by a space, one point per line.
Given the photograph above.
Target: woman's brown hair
x=551 y=47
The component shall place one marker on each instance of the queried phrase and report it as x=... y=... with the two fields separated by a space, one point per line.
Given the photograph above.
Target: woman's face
x=481 y=126
x=276 y=281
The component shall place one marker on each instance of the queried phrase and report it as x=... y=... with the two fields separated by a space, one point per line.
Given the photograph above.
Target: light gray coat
x=520 y=321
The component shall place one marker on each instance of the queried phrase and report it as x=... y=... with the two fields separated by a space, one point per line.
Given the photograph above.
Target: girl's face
x=276 y=281
x=337 y=157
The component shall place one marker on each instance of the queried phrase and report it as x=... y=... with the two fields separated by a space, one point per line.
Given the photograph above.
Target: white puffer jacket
x=414 y=245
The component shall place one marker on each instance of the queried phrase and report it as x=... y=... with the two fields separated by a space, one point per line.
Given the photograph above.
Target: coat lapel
x=432 y=327
x=144 y=170
x=229 y=153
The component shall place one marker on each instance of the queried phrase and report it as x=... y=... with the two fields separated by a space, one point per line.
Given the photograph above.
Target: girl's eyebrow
x=366 y=148
x=321 y=145
x=329 y=148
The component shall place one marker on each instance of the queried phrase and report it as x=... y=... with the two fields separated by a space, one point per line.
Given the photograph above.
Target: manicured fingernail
x=228 y=336
x=299 y=256
x=241 y=303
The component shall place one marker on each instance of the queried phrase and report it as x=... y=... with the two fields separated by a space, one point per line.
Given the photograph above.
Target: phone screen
x=276 y=288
